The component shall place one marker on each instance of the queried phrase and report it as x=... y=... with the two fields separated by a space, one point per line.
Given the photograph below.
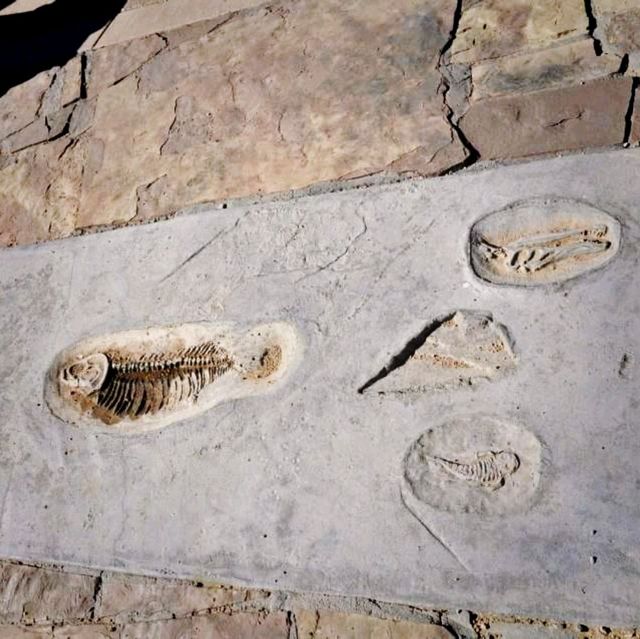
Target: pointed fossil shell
x=474 y=464
x=461 y=349
x=145 y=379
x=542 y=241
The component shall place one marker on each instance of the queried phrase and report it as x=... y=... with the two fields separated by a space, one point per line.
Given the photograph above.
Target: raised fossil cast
x=455 y=351
x=488 y=470
x=145 y=379
x=542 y=241
x=473 y=464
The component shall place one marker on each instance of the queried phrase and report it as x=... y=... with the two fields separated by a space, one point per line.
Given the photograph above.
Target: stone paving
x=181 y=103
x=176 y=103
x=39 y=602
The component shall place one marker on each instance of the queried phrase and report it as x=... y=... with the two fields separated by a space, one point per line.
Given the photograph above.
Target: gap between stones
x=628 y=117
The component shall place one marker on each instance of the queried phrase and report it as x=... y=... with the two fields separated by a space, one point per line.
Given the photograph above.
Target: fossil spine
x=150 y=383
x=489 y=470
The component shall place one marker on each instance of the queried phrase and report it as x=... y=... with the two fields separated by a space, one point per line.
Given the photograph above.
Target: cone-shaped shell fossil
x=144 y=379
x=455 y=351
x=542 y=241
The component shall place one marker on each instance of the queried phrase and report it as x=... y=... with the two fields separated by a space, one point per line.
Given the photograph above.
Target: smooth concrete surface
x=303 y=488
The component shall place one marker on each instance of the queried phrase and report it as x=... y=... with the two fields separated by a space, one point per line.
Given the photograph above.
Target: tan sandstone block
x=155 y=17
x=260 y=105
x=584 y=116
x=126 y=598
x=85 y=631
x=18 y=632
x=495 y=28
x=334 y=625
x=564 y=65
x=19 y=106
x=37 y=595
x=222 y=626
x=108 y=65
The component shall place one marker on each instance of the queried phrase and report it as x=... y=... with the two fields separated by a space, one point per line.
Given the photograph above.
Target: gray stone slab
x=304 y=487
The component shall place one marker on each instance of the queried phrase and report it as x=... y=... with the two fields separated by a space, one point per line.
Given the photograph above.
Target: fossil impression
x=474 y=464
x=542 y=241
x=488 y=470
x=456 y=351
x=138 y=380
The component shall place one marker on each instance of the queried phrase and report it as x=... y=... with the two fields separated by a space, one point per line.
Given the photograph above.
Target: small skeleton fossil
x=114 y=386
x=489 y=470
x=536 y=253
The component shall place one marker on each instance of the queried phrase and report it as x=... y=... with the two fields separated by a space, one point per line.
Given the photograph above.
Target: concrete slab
x=316 y=486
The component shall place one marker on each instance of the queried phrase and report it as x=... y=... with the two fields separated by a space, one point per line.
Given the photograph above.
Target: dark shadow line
x=407 y=352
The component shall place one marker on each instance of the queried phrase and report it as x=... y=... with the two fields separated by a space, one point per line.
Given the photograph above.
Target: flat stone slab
x=514 y=492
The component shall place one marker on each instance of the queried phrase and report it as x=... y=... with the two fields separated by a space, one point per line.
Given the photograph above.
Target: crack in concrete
x=438 y=538
x=205 y=246
x=339 y=257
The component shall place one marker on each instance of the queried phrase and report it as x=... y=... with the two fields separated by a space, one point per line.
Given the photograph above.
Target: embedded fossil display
x=474 y=464
x=489 y=469
x=145 y=379
x=462 y=348
x=542 y=241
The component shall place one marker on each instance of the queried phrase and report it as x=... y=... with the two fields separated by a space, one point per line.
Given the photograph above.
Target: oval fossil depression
x=144 y=379
x=542 y=241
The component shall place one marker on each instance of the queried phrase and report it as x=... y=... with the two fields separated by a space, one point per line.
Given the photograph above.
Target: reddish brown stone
x=578 y=117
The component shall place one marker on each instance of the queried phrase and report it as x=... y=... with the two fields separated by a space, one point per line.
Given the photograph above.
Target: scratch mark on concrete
x=438 y=538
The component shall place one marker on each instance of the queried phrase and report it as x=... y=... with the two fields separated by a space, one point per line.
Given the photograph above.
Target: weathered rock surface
x=207 y=120
x=618 y=29
x=258 y=626
x=127 y=599
x=146 y=17
x=588 y=115
x=34 y=595
x=334 y=625
x=495 y=28
x=561 y=66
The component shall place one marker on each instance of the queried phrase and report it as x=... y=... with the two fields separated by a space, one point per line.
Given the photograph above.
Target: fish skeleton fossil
x=534 y=254
x=489 y=470
x=114 y=386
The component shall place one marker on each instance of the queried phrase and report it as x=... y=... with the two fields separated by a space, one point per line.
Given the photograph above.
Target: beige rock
x=18 y=632
x=125 y=598
x=334 y=625
x=495 y=28
x=20 y=105
x=108 y=65
x=21 y=6
x=149 y=18
x=564 y=65
x=72 y=81
x=211 y=120
x=134 y=4
x=614 y=6
x=85 y=631
x=584 y=116
x=36 y=595
x=237 y=626
x=623 y=30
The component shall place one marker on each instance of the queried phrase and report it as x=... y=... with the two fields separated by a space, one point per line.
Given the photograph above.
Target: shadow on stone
x=48 y=36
